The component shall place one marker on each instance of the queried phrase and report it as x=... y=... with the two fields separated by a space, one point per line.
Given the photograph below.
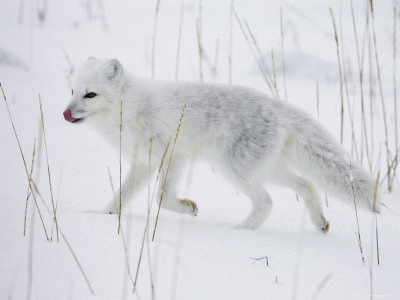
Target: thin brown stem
x=381 y=94
x=256 y=53
x=153 y=49
x=48 y=169
x=356 y=211
x=168 y=167
x=23 y=160
x=274 y=73
x=178 y=47
x=30 y=176
x=317 y=97
x=120 y=167
x=354 y=147
x=396 y=123
x=340 y=76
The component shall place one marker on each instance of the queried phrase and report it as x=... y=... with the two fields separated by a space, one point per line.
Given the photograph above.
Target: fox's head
x=96 y=87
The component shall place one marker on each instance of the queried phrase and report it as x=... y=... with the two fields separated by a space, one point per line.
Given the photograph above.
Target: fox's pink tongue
x=68 y=115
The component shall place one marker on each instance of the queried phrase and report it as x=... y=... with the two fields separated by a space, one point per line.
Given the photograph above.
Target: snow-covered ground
x=201 y=257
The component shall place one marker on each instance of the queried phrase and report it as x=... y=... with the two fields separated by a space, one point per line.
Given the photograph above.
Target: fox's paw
x=323 y=225
x=189 y=207
x=320 y=222
x=325 y=228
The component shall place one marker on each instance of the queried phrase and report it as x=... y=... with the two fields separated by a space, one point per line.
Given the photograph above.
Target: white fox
x=247 y=136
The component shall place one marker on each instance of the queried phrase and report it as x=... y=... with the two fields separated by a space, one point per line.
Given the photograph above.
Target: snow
x=201 y=257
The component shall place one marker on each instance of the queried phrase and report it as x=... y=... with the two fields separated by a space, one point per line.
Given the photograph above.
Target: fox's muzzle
x=68 y=116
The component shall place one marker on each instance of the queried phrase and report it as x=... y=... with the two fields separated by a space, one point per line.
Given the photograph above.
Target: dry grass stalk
x=360 y=62
x=396 y=123
x=57 y=200
x=178 y=47
x=63 y=236
x=256 y=53
x=48 y=169
x=354 y=148
x=371 y=80
x=317 y=97
x=125 y=245
x=374 y=230
x=110 y=179
x=199 y=28
x=168 y=166
x=146 y=231
x=149 y=202
x=30 y=181
x=274 y=73
x=148 y=221
x=128 y=268
x=78 y=263
x=120 y=167
x=340 y=76
x=30 y=256
x=30 y=176
x=214 y=66
x=159 y=171
x=145 y=234
x=134 y=282
x=200 y=49
x=258 y=49
x=149 y=174
x=153 y=49
x=34 y=190
x=355 y=209
x=376 y=216
x=388 y=155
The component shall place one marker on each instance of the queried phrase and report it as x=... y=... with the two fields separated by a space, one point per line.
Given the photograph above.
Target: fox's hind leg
x=307 y=192
x=250 y=186
x=167 y=194
x=261 y=205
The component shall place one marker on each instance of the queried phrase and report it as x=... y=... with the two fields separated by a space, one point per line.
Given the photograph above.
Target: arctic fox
x=247 y=136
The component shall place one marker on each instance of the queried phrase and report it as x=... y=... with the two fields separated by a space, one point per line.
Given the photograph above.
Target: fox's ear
x=113 y=70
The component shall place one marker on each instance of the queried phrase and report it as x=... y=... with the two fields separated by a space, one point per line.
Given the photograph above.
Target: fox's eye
x=90 y=95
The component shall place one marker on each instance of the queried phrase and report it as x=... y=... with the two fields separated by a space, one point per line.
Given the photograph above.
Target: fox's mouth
x=68 y=116
x=77 y=120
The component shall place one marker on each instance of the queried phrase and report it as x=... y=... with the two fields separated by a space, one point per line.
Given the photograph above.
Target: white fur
x=247 y=136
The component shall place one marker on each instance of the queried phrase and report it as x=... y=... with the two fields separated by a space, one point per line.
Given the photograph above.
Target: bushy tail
x=319 y=157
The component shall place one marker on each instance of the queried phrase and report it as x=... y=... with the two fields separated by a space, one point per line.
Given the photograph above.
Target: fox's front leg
x=135 y=178
x=167 y=190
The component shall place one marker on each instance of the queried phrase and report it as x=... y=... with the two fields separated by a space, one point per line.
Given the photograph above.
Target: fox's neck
x=135 y=89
